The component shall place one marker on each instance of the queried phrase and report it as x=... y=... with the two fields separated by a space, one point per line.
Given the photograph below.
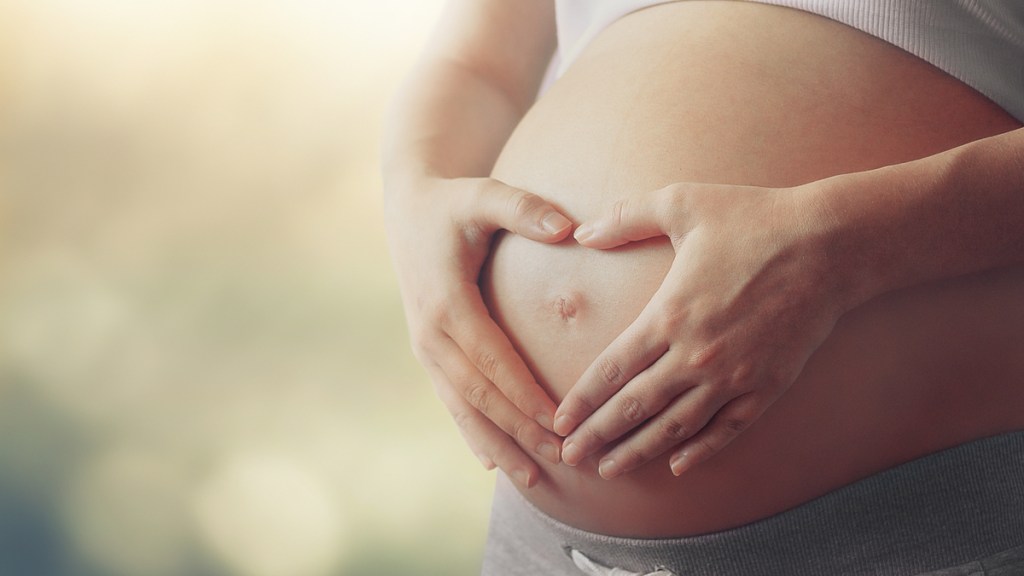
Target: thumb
x=526 y=214
x=629 y=220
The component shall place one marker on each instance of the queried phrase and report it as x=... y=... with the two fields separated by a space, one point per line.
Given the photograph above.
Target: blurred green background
x=204 y=368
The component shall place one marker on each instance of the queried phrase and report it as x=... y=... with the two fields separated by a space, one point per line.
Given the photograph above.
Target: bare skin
x=929 y=250
x=475 y=81
x=876 y=365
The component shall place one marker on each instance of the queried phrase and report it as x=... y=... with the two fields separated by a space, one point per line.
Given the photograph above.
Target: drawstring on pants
x=591 y=568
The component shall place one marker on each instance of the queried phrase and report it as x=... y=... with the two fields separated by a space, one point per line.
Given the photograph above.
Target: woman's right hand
x=440 y=233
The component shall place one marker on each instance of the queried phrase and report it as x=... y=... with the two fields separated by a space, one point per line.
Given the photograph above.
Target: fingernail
x=522 y=477
x=608 y=469
x=678 y=463
x=549 y=451
x=487 y=462
x=545 y=421
x=571 y=454
x=563 y=425
x=554 y=223
x=583 y=233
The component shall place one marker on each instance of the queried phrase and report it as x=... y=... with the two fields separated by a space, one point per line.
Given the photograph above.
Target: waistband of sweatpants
x=940 y=510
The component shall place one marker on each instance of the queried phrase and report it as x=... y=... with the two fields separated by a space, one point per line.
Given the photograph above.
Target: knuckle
x=487 y=363
x=420 y=352
x=705 y=447
x=733 y=425
x=741 y=382
x=632 y=409
x=479 y=396
x=594 y=437
x=435 y=314
x=587 y=405
x=610 y=371
x=673 y=197
x=421 y=336
x=581 y=406
x=463 y=420
x=521 y=399
x=703 y=356
x=521 y=431
x=672 y=428
x=423 y=342
x=742 y=374
x=747 y=411
x=672 y=321
x=633 y=454
x=521 y=204
x=619 y=212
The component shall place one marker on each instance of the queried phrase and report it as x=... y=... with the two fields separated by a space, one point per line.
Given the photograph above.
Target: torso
x=752 y=94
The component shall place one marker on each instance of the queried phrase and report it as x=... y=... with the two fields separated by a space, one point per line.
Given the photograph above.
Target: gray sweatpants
x=959 y=512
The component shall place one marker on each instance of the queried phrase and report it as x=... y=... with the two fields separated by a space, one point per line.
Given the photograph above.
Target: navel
x=567 y=306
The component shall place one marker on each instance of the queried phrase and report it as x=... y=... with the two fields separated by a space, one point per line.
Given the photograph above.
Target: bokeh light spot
x=268 y=515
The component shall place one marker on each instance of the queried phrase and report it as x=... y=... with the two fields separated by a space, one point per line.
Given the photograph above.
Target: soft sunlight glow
x=128 y=513
x=267 y=515
x=203 y=364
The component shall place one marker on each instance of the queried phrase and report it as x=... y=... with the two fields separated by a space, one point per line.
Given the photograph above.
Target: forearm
x=450 y=121
x=476 y=79
x=447 y=122
x=957 y=212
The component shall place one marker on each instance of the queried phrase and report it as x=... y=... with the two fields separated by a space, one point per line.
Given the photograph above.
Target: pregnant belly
x=751 y=94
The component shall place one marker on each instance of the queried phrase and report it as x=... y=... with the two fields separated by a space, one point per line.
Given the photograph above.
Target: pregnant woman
x=764 y=272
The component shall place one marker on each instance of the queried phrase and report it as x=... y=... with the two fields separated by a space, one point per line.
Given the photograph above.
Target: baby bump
x=745 y=94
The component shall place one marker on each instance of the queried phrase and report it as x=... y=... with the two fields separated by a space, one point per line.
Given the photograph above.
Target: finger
x=498 y=205
x=632 y=219
x=731 y=421
x=488 y=442
x=482 y=395
x=644 y=397
x=628 y=355
x=640 y=345
x=683 y=418
x=481 y=340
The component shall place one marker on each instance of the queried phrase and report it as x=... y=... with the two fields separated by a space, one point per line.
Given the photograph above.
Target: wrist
x=845 y=237
x=398 y=179
x=403 y=189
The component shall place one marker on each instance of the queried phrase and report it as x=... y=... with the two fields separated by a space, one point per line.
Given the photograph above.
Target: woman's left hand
x=750 y=295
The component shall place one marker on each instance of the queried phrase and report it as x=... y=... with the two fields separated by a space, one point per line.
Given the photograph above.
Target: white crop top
x=979 y=42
